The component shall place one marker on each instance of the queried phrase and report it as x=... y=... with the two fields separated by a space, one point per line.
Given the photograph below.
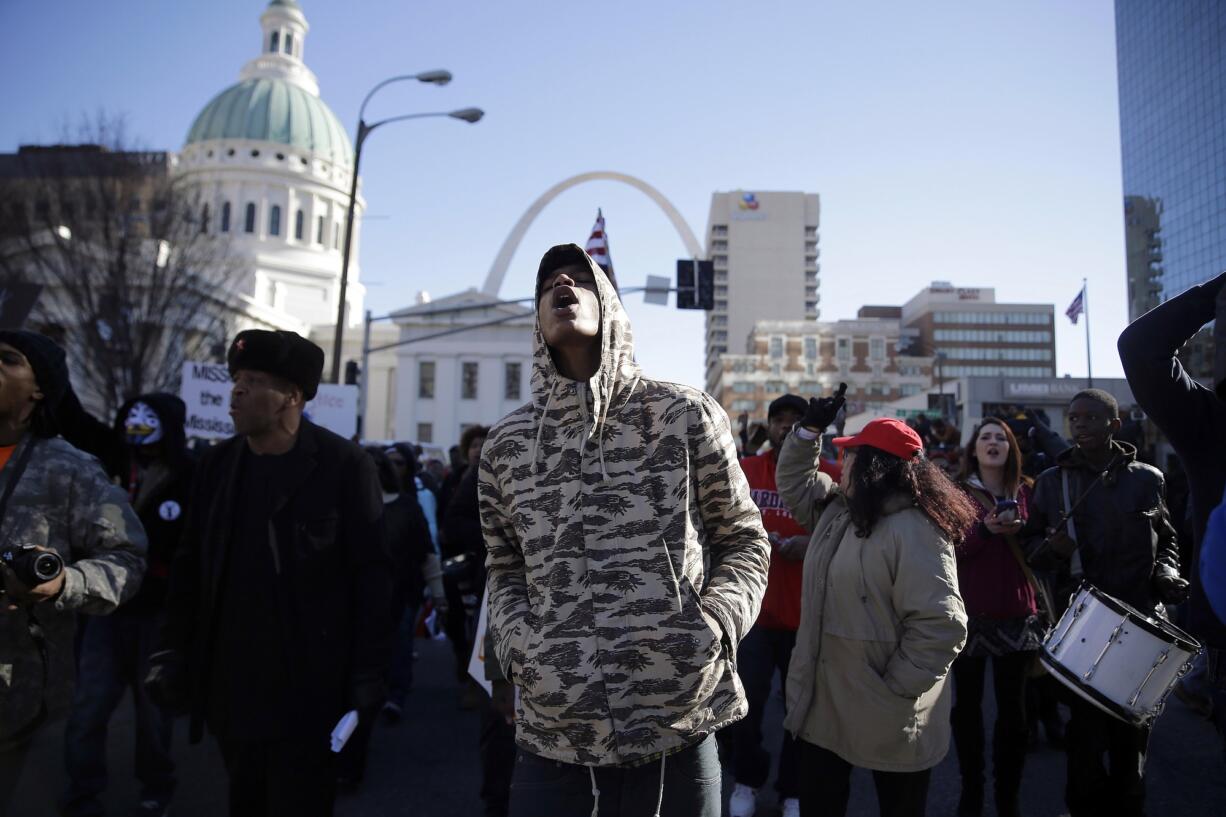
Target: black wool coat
x=333 y=580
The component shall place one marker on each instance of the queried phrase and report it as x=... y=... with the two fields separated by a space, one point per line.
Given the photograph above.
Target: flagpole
x=1085 y=307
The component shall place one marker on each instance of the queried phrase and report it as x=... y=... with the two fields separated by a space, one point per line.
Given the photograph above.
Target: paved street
x=427 y=766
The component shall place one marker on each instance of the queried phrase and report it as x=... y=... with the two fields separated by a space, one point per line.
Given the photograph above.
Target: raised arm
x=1179 y=405
x=802 y=487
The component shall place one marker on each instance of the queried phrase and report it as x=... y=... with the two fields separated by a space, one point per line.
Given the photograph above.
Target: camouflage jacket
x=626 y=558
x=65 y=502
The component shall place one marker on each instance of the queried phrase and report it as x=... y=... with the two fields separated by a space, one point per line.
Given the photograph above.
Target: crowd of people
x=648 y=578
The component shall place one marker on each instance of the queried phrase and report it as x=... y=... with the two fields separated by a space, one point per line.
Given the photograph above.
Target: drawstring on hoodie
x=660 y=796
x=595 y=792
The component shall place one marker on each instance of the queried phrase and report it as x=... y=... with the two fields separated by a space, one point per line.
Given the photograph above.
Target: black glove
x=1171 y=589
x=166 y=682
x=822 y=411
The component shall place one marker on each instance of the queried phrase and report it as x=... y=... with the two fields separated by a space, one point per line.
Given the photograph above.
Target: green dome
x=273 y=110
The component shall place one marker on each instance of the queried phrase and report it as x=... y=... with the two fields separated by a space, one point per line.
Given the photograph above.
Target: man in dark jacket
x=767 y=647
x=1120 y=539
x=1193 y=418
x=145 y=452
x=278 y=618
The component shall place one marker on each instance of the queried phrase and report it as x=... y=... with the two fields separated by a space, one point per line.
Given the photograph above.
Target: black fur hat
x=285 y=354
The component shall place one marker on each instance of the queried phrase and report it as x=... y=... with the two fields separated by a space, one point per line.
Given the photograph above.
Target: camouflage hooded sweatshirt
x=626 y=557
x=63 y=501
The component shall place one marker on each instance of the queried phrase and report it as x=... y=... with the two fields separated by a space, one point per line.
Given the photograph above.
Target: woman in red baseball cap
x=881 y=619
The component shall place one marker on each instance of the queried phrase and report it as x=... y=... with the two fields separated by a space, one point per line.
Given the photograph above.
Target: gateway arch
x=498 y=270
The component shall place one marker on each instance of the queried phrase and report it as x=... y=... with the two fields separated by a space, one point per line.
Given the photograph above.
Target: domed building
x=274 y=167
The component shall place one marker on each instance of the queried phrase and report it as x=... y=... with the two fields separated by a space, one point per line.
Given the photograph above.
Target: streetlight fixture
x=470 y=115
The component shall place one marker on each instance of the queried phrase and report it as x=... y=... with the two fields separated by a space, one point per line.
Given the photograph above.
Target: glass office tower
x=1172 y=81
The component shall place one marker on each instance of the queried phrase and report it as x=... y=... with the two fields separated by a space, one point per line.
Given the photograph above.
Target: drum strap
x=1075 y=560
x=1046 y=608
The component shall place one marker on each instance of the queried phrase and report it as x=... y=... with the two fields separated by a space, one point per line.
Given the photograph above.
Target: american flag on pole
x=598 y=248
x=1077 y=306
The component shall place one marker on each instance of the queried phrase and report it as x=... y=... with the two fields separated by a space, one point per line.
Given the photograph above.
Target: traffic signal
x=695 y=284
x=351 y=372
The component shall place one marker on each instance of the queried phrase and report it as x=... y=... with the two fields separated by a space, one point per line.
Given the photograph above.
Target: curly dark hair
x=466 y=439
x=875 y=476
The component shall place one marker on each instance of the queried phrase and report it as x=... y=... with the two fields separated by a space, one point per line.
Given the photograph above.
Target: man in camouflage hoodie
x=626 y=561
x=58 y=498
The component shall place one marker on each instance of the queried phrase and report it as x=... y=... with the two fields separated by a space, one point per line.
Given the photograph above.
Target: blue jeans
x=691 y=786
x=114 y=655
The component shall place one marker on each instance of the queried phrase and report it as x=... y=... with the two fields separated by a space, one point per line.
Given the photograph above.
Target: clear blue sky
x=971 y=142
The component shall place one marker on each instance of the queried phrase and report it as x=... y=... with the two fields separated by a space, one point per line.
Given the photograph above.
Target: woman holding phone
x=1003 y=626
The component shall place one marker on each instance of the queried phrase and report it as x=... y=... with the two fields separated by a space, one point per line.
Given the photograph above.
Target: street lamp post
x=469 y=115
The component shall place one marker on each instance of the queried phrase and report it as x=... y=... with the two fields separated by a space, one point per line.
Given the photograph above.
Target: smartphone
x=1006 y=508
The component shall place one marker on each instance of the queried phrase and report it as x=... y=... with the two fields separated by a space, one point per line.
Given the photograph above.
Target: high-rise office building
x=765 y=249
x=1171 y=60
x=971 y=335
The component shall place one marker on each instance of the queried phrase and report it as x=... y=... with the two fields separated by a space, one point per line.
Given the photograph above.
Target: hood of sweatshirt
x=610 y=388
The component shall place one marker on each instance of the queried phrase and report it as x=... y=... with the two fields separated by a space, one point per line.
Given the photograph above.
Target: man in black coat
x=1193 y=418
x=277 y=621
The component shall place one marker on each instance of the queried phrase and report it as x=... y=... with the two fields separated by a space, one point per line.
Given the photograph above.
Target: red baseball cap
x=887 y=434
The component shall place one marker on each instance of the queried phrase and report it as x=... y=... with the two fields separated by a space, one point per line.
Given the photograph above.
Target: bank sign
x=206 y=391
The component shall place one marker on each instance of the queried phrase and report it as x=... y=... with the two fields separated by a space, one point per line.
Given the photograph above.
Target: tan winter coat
x=880 y=623
x=626 y=558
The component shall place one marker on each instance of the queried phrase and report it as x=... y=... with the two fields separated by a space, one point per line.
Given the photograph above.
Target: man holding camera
x=69 y=542
x=279 y=610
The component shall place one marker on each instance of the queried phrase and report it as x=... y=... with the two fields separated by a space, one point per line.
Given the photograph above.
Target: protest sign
x=205 y=389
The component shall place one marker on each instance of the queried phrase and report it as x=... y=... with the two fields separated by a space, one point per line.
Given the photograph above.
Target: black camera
x=30 y=565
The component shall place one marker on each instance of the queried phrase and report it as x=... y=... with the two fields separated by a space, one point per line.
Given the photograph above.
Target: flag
x=598 y=248
x=1077 y=306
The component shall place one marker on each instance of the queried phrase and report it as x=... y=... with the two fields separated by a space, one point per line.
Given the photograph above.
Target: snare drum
x=1116 y=657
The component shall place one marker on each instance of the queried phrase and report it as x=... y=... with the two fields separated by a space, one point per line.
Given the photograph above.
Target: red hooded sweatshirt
x=781 y=604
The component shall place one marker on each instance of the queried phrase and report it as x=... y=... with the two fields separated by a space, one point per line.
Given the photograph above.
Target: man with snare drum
x=1119 y=539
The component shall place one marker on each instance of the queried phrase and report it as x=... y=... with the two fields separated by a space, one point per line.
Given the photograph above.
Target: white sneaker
x=744 y=801
x=791 y=807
